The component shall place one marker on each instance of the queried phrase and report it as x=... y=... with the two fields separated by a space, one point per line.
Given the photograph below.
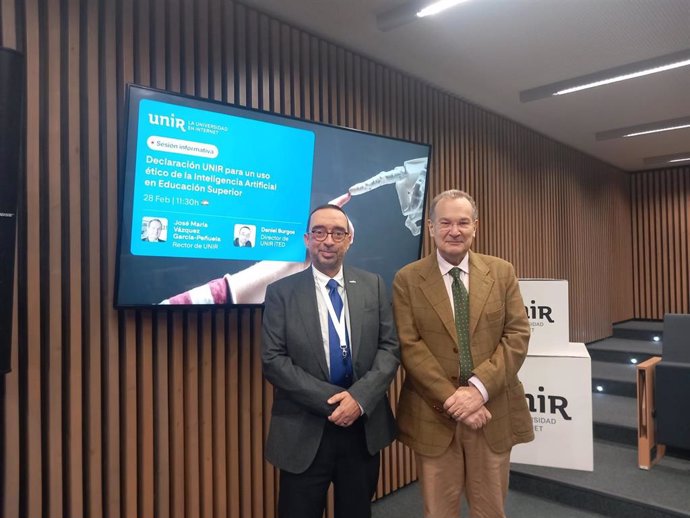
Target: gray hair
x=453 y=194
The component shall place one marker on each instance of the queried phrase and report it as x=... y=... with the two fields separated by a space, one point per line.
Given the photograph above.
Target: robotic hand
x=409 y=180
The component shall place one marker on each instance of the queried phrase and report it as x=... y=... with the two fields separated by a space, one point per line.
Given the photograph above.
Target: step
x=616 y=487
x=614 y=378
x=615 y=418
x=639 y=329
x=623 y=350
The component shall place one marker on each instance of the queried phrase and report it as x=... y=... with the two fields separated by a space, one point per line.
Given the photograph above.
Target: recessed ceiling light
x=412 y=10
x=675 y=158
x=647 y=128
x=437 y=7
x=624 y=77
x=600 y=388
x=608 y=76
x=659 y=130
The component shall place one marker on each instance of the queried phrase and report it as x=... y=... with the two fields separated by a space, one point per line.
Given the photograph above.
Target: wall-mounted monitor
x=216 y=199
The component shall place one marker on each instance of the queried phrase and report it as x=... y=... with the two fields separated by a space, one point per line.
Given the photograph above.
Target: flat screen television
x=216 y=198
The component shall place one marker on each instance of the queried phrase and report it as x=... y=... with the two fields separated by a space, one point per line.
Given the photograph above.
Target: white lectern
x=557 y=377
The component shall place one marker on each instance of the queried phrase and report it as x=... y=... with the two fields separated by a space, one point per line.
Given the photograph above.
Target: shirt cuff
x=476 y=382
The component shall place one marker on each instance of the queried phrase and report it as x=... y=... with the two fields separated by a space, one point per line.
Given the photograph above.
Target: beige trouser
x=467 y=465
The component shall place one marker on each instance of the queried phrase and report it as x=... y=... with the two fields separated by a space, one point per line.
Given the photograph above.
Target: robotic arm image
x=248 y=286
x=409 y=180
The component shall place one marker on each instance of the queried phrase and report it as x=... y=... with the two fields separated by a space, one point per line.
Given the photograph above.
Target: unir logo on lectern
x=548 y=404
x=535 y=312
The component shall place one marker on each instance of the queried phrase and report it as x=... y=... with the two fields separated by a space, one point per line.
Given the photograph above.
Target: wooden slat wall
x=138 y=414
x=660 y=234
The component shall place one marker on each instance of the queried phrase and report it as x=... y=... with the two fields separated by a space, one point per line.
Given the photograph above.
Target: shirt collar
x=321 y=278
x=445 y=266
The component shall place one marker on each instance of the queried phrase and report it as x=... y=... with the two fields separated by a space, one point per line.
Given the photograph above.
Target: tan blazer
x=499 y=335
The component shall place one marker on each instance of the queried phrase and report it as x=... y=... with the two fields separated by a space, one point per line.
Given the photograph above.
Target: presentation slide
x=216 y=199
x=207 y=186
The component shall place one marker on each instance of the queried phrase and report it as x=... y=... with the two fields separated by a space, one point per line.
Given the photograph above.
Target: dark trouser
x=342 y=458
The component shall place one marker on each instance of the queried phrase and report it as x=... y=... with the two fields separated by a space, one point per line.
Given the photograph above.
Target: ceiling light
x=410 y=11
x=437 y=7
x=676 y=158
x=645 y=129
x=608 y=76
x=600 y=388
x=671 y=128
x=656 y=338
x=624 y=77
x=633 y=361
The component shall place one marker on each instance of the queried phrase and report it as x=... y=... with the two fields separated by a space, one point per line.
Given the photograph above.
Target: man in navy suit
x=330 y=350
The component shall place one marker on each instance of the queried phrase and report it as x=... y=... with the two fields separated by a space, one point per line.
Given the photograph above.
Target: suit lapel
x=308 y=311
x=434 y=290
x=355 y=305
x=480 y=287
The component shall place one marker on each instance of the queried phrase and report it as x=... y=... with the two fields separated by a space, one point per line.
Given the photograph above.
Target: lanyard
x=338 y=323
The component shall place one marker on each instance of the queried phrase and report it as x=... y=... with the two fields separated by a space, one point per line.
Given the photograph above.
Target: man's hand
x=348 y=410
x=478 y=419
x=463 y=402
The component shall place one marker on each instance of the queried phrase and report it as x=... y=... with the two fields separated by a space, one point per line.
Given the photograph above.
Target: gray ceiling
x=487 y=51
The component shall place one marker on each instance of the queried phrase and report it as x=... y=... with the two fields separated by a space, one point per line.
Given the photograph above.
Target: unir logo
x=169 y=121
x=543 y=404
x=538 y=312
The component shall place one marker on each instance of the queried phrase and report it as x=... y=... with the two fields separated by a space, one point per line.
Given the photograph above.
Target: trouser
x=468 y=466
x=343 y=459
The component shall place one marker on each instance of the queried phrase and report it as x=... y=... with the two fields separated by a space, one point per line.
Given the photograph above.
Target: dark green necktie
x=461 y=301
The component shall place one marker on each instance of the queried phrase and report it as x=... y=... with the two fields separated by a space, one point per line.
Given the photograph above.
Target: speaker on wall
x=12 y=80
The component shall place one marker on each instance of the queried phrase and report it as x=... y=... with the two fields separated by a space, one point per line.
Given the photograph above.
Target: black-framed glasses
x=320 y=234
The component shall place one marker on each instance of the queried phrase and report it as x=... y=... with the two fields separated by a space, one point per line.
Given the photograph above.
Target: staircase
x=614 y=390
x=616 y=487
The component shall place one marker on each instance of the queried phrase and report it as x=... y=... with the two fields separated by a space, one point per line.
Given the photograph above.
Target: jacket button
x=454 y=378
x=455 y=349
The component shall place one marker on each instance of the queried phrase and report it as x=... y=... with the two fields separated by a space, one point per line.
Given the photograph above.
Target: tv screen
x=216 y=199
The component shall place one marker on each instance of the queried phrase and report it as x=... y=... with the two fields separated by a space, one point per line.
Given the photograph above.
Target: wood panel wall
x=142 y=414
x=661 y=230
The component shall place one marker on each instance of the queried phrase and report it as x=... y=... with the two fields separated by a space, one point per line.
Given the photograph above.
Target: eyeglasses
x=320 y=234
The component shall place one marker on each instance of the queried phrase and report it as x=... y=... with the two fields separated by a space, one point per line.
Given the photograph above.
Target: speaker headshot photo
x=154 y=230
x=243 y=235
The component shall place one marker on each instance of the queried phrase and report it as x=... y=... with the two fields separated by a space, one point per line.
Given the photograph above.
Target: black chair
x=672 y=384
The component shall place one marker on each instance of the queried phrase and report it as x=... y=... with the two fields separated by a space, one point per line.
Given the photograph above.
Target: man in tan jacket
x=463 y=335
